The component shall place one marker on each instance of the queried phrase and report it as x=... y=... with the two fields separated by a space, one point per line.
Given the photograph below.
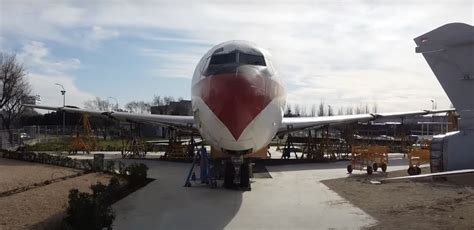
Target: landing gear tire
x=375 y=166
x=245 y=176
x=349 y=168
x=384 y=167
x=229 y=175
x=369 y=170
x=418 y=170
x=411 y=171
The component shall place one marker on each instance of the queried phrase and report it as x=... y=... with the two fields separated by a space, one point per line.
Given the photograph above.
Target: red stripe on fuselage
x=237 y=99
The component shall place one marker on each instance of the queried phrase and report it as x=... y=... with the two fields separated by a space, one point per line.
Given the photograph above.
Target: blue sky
x=341 y=52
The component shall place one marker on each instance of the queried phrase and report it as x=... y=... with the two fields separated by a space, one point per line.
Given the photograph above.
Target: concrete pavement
x=293 y=199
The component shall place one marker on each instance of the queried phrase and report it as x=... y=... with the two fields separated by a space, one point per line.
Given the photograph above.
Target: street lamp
x=63 y=92
x=116 y=103
x=433 y=104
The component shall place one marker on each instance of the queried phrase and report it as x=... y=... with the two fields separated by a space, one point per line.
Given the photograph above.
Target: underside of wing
x=290 y=124
x=183 y=122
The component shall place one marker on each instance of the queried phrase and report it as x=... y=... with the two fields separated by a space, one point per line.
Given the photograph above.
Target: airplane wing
x=184 y=122
x=289 y=124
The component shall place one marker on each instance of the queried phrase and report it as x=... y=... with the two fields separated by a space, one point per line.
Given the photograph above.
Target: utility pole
x=63 y=92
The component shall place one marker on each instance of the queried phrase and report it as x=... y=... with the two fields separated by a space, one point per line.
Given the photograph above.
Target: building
x=183 y=108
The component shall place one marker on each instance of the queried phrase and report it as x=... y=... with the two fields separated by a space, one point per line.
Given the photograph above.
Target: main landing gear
x=237 y=173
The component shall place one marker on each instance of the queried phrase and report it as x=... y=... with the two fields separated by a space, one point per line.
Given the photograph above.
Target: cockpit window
x=251 y=59
x=220 y=59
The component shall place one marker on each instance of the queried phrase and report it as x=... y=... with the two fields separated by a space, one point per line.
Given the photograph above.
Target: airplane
x=238 y=104
x=449 y=51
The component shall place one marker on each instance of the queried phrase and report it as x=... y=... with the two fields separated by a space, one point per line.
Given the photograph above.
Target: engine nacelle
x=452 y=151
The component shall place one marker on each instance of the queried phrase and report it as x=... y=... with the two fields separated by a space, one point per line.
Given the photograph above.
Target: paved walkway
x=293 y=199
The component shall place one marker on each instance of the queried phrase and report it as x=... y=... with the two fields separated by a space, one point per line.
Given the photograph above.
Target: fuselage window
x=250 y=59
x=220 y=59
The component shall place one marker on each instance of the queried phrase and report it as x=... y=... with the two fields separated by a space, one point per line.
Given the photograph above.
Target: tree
x=349 y=110
x=168 y=100
x=297 y=110
x=98 y=104
x=313 y=110
x=104 y=122
x=138 y=107
x=15 y=89
x=366 y=108
x=340 y=111
x=321 y=109
x=157 y=101
x=330 y=112
x=375 y=108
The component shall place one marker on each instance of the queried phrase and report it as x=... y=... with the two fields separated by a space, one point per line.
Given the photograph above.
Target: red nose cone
x=237 y=100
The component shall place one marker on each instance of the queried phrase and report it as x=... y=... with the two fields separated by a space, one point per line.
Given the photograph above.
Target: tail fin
x=449 y=50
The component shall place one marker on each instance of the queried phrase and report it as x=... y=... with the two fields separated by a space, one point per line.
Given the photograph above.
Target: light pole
x=116 y=103
x=433 y=104
x=63 y=92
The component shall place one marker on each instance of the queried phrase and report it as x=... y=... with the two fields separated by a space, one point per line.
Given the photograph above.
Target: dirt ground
x=421 y=204
x=15 y=174
x=38 y=207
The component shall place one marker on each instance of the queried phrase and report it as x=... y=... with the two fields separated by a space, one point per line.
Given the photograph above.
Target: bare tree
x=98 y=104
x=330 y=111
x=132 y=107
x=15 y=89
x=321 y=109
x=359 y=109
x=168 y=100
x=349 y=110
x=103 y=122
x=157 y=101
x=297 y=110
x=375 y=108
x=143 y=107
x=340 y=111
x=313 y=110
x=138 y=107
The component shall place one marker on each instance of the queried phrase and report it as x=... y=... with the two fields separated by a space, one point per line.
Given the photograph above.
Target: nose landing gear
x=237 y=173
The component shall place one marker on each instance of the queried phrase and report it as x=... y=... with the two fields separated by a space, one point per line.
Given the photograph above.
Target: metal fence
x=11 y=139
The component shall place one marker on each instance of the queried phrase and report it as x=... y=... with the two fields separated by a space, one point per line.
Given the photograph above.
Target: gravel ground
x=39 y=207
x=15 y=174
x=423 y=204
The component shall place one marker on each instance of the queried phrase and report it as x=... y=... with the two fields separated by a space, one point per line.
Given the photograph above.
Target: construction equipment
x=207 y=171
x=132 y=144
x=369 y=158
x=417 y=156
x=84 y=139
x=289 y=148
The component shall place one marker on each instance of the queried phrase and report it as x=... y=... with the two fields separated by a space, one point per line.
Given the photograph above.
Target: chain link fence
x=11 y=139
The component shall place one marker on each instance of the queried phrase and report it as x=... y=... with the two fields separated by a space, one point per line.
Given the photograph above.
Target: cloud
x=37 y=58
x=341 y=51
x=172 y=64
x=92 y=38
x=44 y=71
x=44 y=85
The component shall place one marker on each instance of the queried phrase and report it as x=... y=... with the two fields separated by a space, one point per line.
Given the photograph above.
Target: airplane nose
x=236 y=99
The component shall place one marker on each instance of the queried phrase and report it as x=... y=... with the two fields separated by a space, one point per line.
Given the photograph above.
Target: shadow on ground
x=176 y=206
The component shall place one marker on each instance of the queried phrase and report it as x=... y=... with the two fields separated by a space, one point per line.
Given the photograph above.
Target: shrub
x=110 y=166
x=91 y=211
x=122 y=168
x=137 y=173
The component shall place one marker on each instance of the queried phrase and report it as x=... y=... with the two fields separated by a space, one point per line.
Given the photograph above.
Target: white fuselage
x=238 y=101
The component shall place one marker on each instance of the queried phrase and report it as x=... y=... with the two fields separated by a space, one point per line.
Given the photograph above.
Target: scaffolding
x=132 y=144
x=84 y=139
